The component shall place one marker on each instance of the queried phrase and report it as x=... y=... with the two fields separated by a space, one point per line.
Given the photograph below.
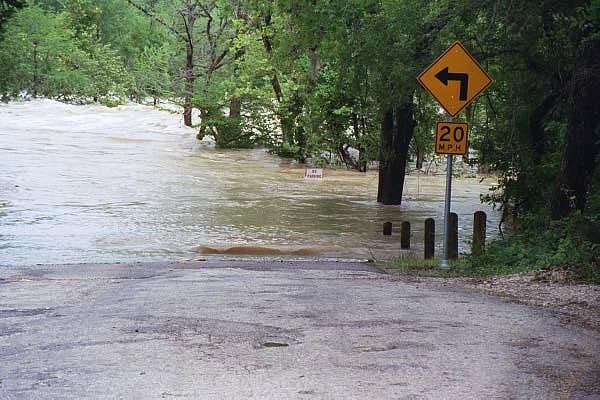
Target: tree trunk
x=235 y=102
x=344 y=156
x=583 y=137
x=190 y=77
x=396 y=132
x=269 y=48
x=314 y=63
x=420 y=158
x=35 y=68
x=536 y=127
x=362 y=162
x=300 y=141
x=292 y=132
x=286 y=123
x=275 y=80
x=235 y=107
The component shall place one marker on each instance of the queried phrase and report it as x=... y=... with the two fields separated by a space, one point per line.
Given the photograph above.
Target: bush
x=287 y=150
x=41 y=55
x=566 y=244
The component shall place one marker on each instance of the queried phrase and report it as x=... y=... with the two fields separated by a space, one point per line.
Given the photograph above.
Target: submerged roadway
x=277 y=330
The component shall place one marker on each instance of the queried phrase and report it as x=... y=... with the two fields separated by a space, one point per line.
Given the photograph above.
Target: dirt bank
x=575 y=302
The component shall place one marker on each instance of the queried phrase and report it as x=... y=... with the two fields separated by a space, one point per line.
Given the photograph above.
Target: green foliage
x=592 y=211
x=42 y=55
x=287 y=150
x=151 y=72
x=418 y=266
x=520 y=130
x=572 y=244
x=229 y=134
x=8 y=7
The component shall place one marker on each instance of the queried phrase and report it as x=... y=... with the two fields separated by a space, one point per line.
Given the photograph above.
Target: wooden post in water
x=429 y=238
x=387 y=229
x=479 y=226
x=405 y=235
x=453 y=237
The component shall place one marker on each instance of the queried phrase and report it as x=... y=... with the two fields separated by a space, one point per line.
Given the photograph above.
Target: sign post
x=313 y=173
x=454 y=79
x=447 y=200
x=451 y=138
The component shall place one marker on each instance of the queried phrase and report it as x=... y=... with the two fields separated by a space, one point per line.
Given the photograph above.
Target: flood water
x=96 y=184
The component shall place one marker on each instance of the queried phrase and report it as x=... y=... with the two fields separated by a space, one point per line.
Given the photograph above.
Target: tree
x=41 y=55
x=537 y=117
x=184 y=28
x=582 y=148
x=8 y=7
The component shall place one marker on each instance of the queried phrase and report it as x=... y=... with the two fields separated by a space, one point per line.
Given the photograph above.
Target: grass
x=510 y=256
x=422 y=268
x=431 y=268
x=458 y=268
x=415 y=266
x=410 y=263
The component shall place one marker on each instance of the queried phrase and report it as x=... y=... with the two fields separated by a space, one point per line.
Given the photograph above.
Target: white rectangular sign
x=313 y=173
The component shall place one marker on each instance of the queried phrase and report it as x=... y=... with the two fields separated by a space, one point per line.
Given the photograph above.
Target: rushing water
x=96 y=184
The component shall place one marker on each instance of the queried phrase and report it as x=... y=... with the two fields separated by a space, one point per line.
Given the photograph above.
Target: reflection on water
x=95 y=184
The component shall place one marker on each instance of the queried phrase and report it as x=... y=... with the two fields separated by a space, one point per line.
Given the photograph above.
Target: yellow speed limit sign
x=452 y=138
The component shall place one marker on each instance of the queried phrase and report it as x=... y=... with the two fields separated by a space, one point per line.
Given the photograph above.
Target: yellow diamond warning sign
x=452 y=138
x=455 y=79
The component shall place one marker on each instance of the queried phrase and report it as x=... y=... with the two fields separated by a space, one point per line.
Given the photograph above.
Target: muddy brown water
x=94 y=184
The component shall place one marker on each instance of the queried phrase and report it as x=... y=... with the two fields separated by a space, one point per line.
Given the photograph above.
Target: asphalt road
x=277 y=330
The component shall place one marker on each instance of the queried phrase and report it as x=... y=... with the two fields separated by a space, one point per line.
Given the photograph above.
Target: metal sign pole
x=444 y=262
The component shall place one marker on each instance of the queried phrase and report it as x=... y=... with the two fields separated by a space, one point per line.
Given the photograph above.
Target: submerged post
x=387 y=229
x=405 y=235
x=429 y=238
x=453 y=237
x=479 y=227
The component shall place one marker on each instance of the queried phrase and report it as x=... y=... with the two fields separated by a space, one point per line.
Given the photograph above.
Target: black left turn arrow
x=444 y=76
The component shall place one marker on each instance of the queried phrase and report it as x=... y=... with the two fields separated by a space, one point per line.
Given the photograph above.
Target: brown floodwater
x=95 y=184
